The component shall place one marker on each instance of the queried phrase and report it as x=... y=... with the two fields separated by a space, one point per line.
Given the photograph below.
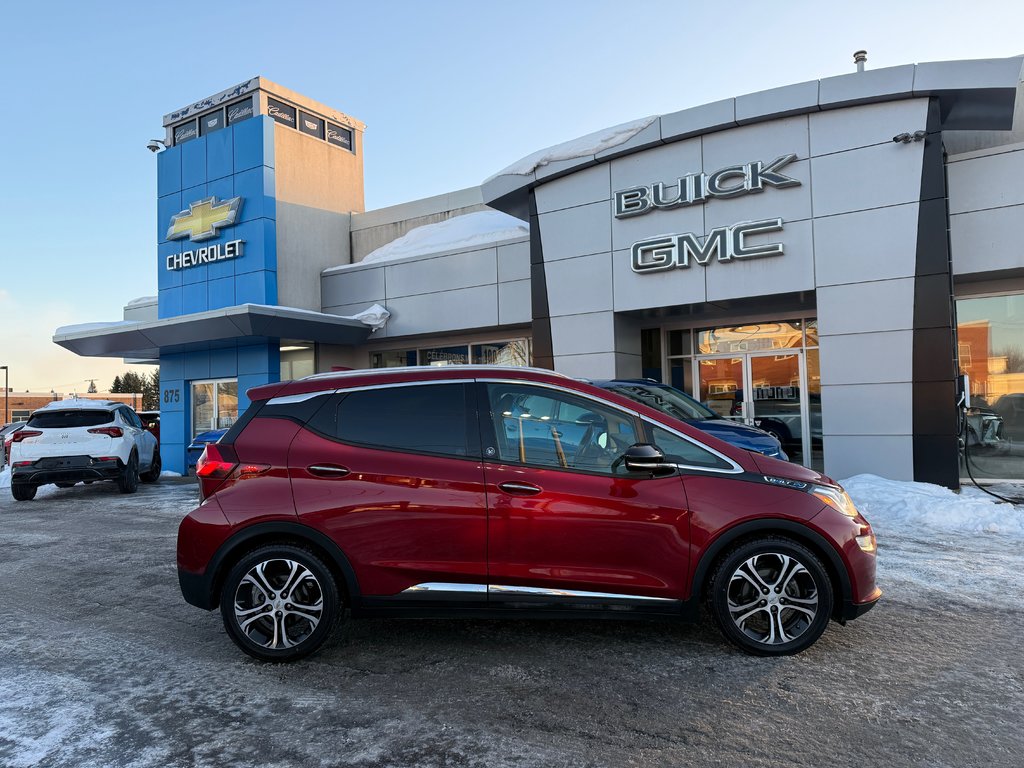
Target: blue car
x=680 y=405
x=199 y=443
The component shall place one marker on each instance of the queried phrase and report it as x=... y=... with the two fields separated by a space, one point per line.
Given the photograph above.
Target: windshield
x=66 y=419
x=664 y=398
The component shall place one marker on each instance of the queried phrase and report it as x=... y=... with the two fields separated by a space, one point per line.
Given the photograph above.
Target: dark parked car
x=199 y=442
x=507 y=491
x=679 y=405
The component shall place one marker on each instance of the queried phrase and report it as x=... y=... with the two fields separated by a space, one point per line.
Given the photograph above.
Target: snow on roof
x=142 y=300
x=82 y=327
x=74 y=403
x=471 y=230
x=590 y=144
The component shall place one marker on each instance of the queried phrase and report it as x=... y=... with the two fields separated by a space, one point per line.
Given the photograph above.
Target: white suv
x=71 y=440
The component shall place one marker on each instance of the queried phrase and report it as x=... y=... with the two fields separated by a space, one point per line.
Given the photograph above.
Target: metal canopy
x=202 y=330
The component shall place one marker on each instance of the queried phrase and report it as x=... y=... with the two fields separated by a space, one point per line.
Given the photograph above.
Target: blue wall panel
x=168 y=171
x=193 y=162
x=194 y=298
x=219 y=154
x=221 y=292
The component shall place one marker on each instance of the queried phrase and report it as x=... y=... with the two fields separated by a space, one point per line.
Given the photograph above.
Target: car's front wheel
x=280 y=603
x=23 y=491
x=771 y=596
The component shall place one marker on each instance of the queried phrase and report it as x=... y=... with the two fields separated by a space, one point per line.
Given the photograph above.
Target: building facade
x=823 y=260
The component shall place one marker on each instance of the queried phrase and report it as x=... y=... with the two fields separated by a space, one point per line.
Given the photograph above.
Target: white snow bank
x=590 y=144
x=906 y=508
x=82 y=327
x=376 y=317
x=471 y=230
x=142 y=300
x=169 y=473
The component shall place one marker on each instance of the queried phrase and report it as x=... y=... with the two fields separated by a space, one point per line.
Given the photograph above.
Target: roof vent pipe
x=859 y=57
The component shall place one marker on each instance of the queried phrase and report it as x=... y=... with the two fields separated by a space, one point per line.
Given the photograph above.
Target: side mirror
x=644 y=457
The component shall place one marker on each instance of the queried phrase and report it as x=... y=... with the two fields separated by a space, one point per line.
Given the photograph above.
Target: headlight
x=836 y=498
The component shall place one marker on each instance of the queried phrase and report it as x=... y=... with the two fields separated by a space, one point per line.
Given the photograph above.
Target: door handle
x=520 y=489
x=332 y=471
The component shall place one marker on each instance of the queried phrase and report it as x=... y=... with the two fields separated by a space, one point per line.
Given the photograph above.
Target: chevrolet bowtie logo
x=204 y=219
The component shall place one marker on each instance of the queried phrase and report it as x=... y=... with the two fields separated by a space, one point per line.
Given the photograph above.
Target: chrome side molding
x=434 y=587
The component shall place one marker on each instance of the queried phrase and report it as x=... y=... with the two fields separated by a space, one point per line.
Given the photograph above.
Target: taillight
x=216 y=461
x=21 y=434
x=219 y=464
x=108 y=431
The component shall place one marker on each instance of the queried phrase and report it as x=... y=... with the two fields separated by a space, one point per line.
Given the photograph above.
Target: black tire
x=243 y=603
x=65 y=485
x=128 y=478
x=764 y=608
x=152 y=474
x=23 y=491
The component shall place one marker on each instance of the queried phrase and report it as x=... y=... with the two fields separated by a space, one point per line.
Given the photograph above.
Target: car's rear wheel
x=152 y=474
x=771 y=596
x=280 y=603
x=23 y=491
x=128 y=477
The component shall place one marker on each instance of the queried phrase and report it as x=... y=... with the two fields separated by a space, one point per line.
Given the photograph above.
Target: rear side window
x=68 y=419
x=430 y=418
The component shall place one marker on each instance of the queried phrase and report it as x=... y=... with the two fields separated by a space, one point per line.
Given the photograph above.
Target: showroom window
x=298 y=359
x=508 y=352
x=990 y=347
x=214 y=405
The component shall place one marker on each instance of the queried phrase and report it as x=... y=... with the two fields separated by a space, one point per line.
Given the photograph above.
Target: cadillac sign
x=721 y=243
x=203 y=220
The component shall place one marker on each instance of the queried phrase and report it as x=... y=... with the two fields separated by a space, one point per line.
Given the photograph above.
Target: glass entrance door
x=768 y=391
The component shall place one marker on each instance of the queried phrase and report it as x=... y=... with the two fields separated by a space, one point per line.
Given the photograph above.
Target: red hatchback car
x=507 y=491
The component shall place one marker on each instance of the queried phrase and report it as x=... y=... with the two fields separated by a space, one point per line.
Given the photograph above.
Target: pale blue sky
x=450 y=92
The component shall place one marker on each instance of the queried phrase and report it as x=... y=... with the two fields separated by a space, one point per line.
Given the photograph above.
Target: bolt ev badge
x=204 y=219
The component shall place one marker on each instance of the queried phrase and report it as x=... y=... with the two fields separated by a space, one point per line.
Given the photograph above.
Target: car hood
x=744 y=436
x=209 y=437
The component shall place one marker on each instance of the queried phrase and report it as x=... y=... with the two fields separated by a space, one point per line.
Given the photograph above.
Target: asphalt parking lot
x=103 y=664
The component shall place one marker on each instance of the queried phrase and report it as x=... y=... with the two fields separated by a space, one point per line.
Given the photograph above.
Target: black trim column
x=543 y=350
x=935 y=440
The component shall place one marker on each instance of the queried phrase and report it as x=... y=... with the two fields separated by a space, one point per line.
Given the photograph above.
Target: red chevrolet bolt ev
x=507 y=491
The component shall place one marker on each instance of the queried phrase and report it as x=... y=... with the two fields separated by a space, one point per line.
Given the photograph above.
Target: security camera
x=155 y=145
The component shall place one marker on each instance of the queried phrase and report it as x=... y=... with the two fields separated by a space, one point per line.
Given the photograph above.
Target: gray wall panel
x=664 y=289
x=862 y=358
x=792 y=271
x=583 y=334
x=763 y=142
x=987 y=240
x=590 y=185
x=459 y=270
x=352 y=286
x=789 y=204
x=458 y=310
x=849 y=455
x=886 y=305
x=867 y=409
x=594 y=366
x=866 y=245
x=514 y=261
x=580 y=285
x=842 y=129
x=665 y=164
x=514 y=305
x=987 y=181
x=576 y=231
x=872 y=177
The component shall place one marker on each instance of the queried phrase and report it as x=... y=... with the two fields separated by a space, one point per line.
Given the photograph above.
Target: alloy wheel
x=278 y=604
x=772 y=598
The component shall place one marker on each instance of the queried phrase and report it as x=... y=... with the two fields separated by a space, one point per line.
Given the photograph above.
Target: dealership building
x=822 y=259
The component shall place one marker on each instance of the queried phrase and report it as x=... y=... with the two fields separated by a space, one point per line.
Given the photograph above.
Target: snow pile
x=906 y=508
x=169 y=473
x=376 y=317
x=471 y=230
x=590 y=144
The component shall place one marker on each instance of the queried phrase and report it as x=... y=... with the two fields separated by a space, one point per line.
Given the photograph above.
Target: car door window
x=434 y=418
x=546 y=427
x=679 y=450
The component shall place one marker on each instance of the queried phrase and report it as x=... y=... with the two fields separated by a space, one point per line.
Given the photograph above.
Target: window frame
x=650 y=423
